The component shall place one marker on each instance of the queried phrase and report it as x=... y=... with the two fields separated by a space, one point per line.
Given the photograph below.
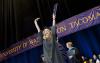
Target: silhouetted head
x=69 y=44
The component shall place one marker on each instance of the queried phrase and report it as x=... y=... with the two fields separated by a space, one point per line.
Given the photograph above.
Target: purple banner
x=66 y=27
x=79 y=22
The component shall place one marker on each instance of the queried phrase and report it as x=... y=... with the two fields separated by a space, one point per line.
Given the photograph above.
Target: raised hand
x=36 y=20
x=36 y=24
x=54 y=14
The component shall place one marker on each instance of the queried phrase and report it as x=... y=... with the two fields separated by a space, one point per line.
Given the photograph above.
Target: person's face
x=47 y=33
x=99 y=56
x=94 y=56
x=69 y=44
x=83 y=58
x=90 y=60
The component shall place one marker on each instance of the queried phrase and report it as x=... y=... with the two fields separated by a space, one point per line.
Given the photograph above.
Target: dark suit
x=74 y=56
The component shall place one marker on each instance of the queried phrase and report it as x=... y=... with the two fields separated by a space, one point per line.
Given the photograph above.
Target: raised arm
x=54 y=14
x=36 y=24
x=54 y=22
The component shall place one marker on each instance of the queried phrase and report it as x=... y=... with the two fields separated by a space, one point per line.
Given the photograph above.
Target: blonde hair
x=44 y=36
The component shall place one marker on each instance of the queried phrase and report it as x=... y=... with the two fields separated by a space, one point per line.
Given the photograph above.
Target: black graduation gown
x=50 y=49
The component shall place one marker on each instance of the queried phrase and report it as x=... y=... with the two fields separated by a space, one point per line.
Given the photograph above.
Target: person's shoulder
x=74 y=48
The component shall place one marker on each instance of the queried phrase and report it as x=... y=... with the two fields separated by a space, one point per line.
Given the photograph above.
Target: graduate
x=48 y=36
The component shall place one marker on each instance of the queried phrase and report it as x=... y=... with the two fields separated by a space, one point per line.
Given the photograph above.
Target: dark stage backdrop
x=16 y=23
